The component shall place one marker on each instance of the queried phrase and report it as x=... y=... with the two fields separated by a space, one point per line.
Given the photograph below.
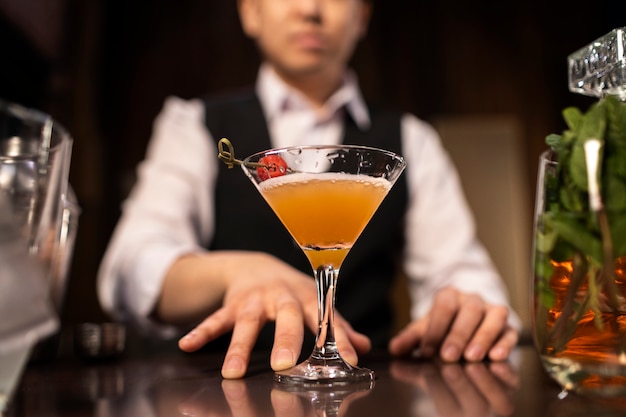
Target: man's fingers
x=212 y=327
x=446 y=304
x=409 y=338
x=487 y=333
x=248 y=324
x=288 y=335
x=467 y=320
x=346 y=350
x=501 y=350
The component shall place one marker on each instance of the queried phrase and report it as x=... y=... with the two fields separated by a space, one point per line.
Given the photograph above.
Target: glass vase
x=579 y=301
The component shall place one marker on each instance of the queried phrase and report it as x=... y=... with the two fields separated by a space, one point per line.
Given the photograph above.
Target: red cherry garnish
x=274 y=166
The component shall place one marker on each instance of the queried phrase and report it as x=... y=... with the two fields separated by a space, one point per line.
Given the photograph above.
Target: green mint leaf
x=616 y=128
x=553 y=140
x=578 y=235
x=573 y=117
x=617 y=223
x=614 y=193
x=593 y=126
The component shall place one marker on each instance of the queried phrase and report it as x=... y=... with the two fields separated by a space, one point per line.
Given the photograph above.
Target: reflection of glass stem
x=325 y=345
x=327 y=401
x=326 y=407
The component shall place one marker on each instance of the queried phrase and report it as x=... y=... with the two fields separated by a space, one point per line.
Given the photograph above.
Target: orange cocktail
x=325 y=195
x=326 y=212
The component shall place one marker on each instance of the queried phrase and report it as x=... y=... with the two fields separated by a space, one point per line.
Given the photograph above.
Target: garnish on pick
x=227 y=155
x=269 y=166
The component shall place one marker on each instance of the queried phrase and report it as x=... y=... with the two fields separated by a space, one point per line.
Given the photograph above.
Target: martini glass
x=324 y=196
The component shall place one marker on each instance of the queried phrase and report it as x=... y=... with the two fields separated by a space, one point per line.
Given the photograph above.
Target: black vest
x=244 y=221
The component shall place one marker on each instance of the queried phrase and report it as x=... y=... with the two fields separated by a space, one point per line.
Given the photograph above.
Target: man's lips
x=309 y=41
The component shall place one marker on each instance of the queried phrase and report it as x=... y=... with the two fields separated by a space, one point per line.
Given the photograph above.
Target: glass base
x=588 y=377
x=315 y=372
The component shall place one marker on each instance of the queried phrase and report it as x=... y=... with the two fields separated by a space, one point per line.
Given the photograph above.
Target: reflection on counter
x=179 y=384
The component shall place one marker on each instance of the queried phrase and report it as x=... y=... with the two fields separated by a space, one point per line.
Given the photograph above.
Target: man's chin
x=307 y=68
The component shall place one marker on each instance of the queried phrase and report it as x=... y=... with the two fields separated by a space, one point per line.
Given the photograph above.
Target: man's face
x=303 y=37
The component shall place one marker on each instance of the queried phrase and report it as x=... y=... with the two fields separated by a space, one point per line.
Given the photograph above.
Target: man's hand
x=459 y=325
x=259 y=289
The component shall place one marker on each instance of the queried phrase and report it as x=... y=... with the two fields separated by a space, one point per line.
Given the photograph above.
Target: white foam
x=324 y=176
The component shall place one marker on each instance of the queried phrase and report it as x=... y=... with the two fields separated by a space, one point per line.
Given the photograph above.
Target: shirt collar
x=276 y=97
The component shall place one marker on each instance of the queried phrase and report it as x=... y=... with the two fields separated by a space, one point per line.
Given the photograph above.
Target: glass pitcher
x=35 y=153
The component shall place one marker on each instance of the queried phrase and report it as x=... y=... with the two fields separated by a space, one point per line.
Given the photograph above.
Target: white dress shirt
x=170 y=210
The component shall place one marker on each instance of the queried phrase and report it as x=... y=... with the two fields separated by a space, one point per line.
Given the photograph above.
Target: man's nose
x=311 y=9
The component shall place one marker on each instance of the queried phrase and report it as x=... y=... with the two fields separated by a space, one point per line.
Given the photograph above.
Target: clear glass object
x=25 y=308
x=37 y=228
x=599 y=68
x=579 y=316
x=325 y=197
x=35 y=153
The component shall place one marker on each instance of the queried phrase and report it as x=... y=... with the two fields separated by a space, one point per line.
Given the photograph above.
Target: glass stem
x=325 y=344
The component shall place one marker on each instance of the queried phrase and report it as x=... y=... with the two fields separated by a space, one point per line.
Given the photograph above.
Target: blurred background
x=491 y=75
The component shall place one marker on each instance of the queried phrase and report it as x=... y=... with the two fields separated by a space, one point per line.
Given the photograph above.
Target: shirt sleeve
x=168 y=213
x=442 y=248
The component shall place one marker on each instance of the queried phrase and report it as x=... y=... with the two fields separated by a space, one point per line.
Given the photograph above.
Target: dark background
x=103 y=67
